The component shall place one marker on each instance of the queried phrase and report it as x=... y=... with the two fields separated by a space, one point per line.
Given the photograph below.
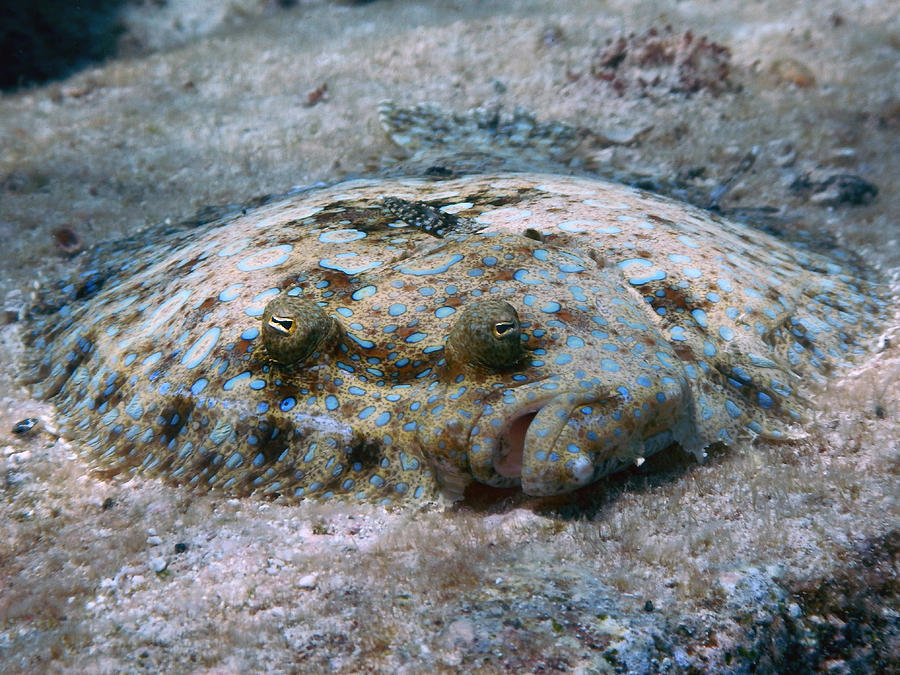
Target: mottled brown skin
x=319 y=346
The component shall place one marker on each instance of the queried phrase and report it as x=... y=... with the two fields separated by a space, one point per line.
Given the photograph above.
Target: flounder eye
x=295 y=330
x=487 y=333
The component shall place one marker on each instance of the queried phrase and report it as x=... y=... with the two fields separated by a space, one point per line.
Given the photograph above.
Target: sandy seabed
x=762 y=559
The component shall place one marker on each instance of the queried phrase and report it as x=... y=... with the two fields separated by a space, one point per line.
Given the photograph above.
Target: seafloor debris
x=835 y=190
x=663 y=61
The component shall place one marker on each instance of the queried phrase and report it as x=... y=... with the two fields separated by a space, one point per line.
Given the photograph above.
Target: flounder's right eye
x=487 y=333
x=295 y=330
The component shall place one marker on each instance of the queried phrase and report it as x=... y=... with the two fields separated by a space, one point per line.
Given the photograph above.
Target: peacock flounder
x=382 y=339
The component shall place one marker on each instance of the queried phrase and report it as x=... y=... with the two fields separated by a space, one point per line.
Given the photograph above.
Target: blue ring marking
x=362 y=342
x=419 y=271
x=287 y=403
x=250 y=334
x=266 y=294
x=229 y=384
x=726 y=333
x=609 y=365
x=416 y=337
x=199 y=386
x=229 y=293
x=331 y=402
x=234 y=247
x=201 y=348
x=444 y=311
x=525 y=276
x=364 y=292
x=341 y=236
x=700 y=317
x=656 y=275
x=257 y=260
x=397 y=309
x=347 y=268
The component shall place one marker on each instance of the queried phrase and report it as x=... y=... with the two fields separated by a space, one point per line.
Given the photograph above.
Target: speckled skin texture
x=642 y=323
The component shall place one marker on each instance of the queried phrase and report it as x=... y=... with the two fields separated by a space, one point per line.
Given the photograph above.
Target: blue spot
x=366 y=412
x=609 y=365
x=725 y=285
x=540 y=254
x=700 y=317
x=416 y=337
x=713 y=297
x=331 y=402
x=574 y=342
x=563 y=359
x=258 y=384
x=677 y=333
x=732 y=409
x=287 y=403
x=525 y=277
x=250 y=334
x=396 y=309
x=550 y=307
x=201 y=348
x=344 y=311
x=644 y=381
x=422 y=271
x=691 y=272
x=709 y=349
x=442 y=312
x=229 y=293
x=377 y=481
x=726 y=333
x=363 y=292
x=356 y=391
x=258 y=261
x=229 y=384
x=687 y=241
x=678 y=258
x=234 y=247
x=382 y=419
x=199 y=386
x=341 y=236
x=765 y=400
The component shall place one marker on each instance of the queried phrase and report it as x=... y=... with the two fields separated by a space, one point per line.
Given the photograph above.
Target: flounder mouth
x=546 y=447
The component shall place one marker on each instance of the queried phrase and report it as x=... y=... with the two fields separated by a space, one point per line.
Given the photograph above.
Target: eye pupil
x=502 y=328
x=282 y=324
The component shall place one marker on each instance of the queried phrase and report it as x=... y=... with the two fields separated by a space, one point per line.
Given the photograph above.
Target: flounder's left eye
x=487 y=333
x=295 y=329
